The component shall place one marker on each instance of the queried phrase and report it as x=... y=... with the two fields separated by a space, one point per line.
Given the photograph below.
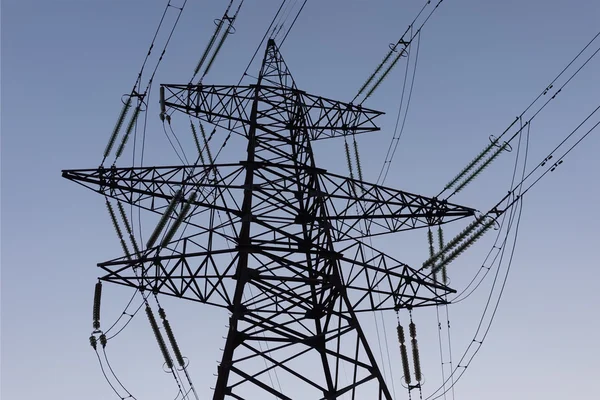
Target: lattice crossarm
x=383 y=210
x=375 y=281
x=202 y=276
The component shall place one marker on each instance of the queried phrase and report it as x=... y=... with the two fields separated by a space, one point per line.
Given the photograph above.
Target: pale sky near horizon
x=66 y=64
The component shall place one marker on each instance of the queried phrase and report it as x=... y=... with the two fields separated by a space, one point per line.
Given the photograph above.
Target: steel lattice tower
x=277 y=241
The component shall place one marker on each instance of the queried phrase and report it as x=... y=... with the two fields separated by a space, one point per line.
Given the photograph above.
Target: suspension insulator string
x=484 y=165
x=163 y=220
x=348 y=158
x=357 y=157
x=465 y=245
x=128 y=227
x=219 y=46
x=182 y=215
x=197 y=141
x=171 y=337
x=364 y=86
x=208 y=47
x=117 y=127
x=113 y=217
x=96 y=308
x=385 y=74
x=431 y=251
x=128 y=131
x=203 y=132
x=230 y=30
x=159 y=338
x=454 y=242
x=441 y=246
x=415 y=349
x=466 y=169
x=403 y=352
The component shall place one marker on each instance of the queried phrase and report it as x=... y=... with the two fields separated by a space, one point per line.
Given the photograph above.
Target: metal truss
x=275 y=240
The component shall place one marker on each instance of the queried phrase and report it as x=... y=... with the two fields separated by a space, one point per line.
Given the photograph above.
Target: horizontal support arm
x=229 y=107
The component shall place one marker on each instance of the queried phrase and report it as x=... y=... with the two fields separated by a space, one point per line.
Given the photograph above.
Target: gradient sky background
x=65 y=65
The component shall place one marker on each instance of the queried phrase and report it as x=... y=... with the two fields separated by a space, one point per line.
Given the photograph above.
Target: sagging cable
x=164 y=219
x=180 y=218
x=171 y=337
x=128 y=131
x=117 y=127
x=403 y=354
x=96 y=308
x=159 y=338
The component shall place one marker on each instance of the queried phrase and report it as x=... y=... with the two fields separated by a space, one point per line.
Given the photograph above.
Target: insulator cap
x=416 y=361
x=405 y=365
x=103 y=340
x=400 y=331
x=413 y=330
x=93 y=342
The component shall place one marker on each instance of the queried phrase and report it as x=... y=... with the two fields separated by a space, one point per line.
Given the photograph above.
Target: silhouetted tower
x=276 y=240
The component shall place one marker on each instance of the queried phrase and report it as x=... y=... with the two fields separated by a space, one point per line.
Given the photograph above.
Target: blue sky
x=66 y=64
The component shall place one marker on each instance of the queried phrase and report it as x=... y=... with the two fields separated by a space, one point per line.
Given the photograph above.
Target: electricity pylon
x=276 y=240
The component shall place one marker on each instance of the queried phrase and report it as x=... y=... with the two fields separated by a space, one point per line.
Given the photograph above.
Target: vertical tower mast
x=297 y=274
